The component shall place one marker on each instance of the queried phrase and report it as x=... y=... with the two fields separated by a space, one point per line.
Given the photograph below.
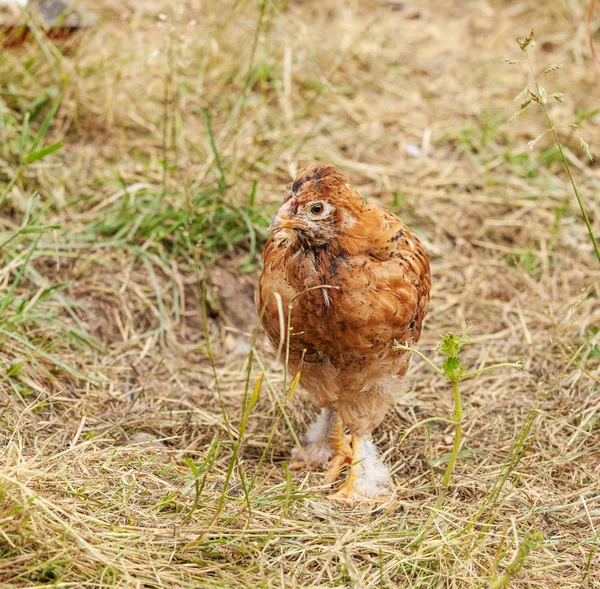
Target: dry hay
x=107 y=397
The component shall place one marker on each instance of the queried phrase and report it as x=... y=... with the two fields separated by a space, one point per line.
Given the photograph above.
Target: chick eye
x=316 y=209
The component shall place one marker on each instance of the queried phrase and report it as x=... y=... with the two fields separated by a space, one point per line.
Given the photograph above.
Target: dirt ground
x=129 y=457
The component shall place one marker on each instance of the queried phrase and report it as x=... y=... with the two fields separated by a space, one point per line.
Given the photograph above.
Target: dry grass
x=115 y=449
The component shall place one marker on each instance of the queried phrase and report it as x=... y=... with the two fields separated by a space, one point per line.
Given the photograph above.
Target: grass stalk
x=540 y=97
x=457 y=419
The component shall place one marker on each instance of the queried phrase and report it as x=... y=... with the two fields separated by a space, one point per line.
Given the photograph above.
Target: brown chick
x=341 y=337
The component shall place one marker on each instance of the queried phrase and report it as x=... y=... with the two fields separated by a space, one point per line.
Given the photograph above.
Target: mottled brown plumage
x=342 y=337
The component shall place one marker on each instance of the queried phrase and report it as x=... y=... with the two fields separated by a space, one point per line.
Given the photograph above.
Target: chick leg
x=369 y=476
x=340 y=445
x=325 y=444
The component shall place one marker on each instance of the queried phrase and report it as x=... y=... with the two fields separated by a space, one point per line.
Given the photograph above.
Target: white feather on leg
x=372 y=475
x=369 y=477
x=316 y=448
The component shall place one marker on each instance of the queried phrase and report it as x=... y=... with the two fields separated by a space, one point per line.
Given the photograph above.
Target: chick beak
x=284 y=222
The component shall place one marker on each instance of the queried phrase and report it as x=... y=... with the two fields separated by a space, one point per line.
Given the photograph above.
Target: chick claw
x=348 y=493
x=300 y=462
x=367 y=479
x=313 y=456
x=341 y=458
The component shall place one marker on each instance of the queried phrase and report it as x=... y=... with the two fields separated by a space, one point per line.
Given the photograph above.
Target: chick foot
x=342 y=451
x=307 y=459
x=316 y=450
x=326 y=447
x=368 y=479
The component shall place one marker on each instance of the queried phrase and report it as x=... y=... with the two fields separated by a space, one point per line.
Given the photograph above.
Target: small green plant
x=531 y=541
x=455 y=371
x=197 y=472
x=210 y=220
x=540 y=96
x=28 y=150
x=201 y=216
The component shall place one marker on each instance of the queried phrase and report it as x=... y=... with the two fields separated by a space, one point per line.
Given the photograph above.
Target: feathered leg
x=324 y=445
x=369 y=477
x=340 y=445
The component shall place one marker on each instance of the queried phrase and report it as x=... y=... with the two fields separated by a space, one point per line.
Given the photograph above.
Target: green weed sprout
x=540 y=96
x=532 y=541
x=29 y=151
x=455 y=371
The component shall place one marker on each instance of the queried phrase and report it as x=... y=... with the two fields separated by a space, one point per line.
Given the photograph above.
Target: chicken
x=358 y=279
